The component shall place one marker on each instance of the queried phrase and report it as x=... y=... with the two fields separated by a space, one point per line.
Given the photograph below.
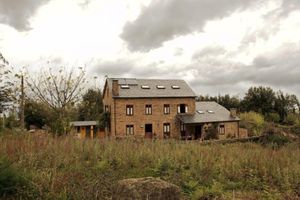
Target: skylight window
x=210 y=112
x=175 y=87
x=145 y=87
x=200 y=111
x=125 y=86
x=160 y=87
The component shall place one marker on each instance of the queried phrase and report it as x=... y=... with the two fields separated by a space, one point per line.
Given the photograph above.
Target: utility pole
x=3 y=118
x=22 y=104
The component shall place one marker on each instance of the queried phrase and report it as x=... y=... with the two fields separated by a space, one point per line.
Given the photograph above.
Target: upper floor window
x=129 y=129
x=166 y=130
x=148 y=109
x=221 y=129
x=182 y=108
x=167 y=109
x=129 y=109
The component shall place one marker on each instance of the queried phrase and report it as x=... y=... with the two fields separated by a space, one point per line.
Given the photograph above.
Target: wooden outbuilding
x=87 y=129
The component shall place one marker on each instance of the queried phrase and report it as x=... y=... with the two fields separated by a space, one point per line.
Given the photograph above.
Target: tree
x=259 y=99
x=6 y=85
x=91 y=106
x=227 y=101
x=36 y=113
x=285 y=104
x=60 y=91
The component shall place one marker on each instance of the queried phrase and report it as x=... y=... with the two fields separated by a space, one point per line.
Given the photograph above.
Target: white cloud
x=225 y=48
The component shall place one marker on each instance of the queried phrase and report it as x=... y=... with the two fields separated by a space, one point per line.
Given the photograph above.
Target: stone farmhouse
x=158 y=108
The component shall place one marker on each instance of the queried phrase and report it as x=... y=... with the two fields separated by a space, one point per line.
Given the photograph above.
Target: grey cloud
x=272 y=23
x=84 y=3
x=128 y=68
x=163 y=20
x=113 y=68
x=16 y=13
x=211 y=51
x=279 y=70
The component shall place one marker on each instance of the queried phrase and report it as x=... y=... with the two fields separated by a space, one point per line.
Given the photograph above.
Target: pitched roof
x=84 y=123
x=145 y=88
x=208 y=111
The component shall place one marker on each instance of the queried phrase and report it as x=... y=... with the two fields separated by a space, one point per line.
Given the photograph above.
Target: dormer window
x=125 y=86
x=160 y=87
x=175 y=87
x=200 y=111
x=210 y=111
x=145 y=87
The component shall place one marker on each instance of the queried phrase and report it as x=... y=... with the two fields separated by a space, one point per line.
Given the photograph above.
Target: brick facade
x=119 y=120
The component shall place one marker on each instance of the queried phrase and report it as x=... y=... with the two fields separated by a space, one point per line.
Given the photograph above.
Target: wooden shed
x=87 y=129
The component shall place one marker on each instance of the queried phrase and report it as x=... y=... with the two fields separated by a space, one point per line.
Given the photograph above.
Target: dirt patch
x=148 y=188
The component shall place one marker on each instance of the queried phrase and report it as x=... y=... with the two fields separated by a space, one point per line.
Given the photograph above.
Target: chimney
x=233 y=112
x=115 y=87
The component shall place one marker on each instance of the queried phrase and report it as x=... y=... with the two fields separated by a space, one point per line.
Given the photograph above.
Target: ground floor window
x=129 y=129
x=166 y=130
x=221 y=129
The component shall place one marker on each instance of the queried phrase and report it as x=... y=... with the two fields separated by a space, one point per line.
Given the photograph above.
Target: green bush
x=274 y=137
x=211 y=132
x=273 y=117
x=292 y=119
x=253 y=121
x=296 y=129
x=10 y=178
x=209 y=193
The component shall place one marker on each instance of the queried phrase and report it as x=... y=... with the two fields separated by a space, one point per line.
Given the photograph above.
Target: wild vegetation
x=58 y=166
x=41 y=167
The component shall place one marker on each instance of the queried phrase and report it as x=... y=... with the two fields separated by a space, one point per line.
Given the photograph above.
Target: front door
x=198 y=130
x=88 y=132
x=148 y=130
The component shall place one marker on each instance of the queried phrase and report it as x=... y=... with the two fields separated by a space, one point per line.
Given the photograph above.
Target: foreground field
x=65 y=168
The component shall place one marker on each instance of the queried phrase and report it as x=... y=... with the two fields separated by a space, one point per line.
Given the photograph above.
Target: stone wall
x=157 y=118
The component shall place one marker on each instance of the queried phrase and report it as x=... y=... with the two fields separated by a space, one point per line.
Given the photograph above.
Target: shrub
x=296 y=129
x=211 y=132
x=253 y=121
x=10 y=178
x=274 y=137
x=292 y=119
x=273 y=117
x=209 y=193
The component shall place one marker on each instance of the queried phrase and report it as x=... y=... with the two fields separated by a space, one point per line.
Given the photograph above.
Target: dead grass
x=67 y=168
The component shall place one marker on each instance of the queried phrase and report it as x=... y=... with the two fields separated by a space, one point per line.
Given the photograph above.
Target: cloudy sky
x=218 y=46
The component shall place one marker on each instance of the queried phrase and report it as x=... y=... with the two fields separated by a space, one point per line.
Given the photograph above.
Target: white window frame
x=148 y=109
x=167 y=109
x=222 y=129
x=186 y=110
x=166 y=127
x=130 y=129
x=129 y=110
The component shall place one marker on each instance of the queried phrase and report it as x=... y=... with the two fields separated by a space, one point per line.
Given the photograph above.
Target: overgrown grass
x=67 y=168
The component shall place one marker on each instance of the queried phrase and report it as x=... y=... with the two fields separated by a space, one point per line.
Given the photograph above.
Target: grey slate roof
x=220 y=114
x=84 y=123
x=135 y=88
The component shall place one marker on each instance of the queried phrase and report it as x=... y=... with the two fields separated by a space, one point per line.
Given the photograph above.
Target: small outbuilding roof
x=207 y=112
x=84 y=123
x=151 y=88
